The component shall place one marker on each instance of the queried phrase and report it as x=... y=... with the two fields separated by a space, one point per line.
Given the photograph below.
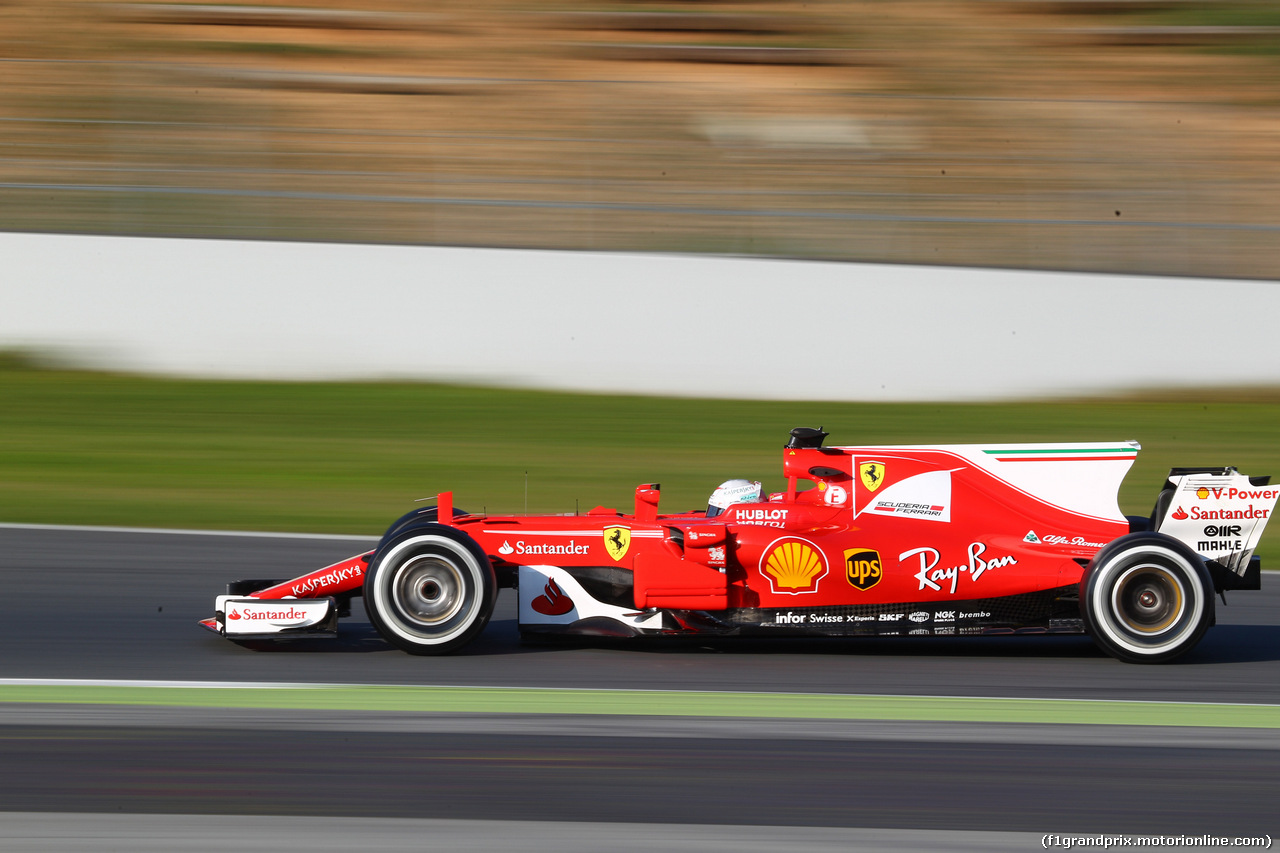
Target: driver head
x=732 y=492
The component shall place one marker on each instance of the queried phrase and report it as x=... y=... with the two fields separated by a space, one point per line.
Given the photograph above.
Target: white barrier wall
x=706 y=326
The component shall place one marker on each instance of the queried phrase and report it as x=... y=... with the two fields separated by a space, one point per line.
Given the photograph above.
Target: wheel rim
x=428 y=591
x=1148 y=600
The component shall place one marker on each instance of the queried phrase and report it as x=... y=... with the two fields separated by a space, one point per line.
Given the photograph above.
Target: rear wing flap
x=1219 y=513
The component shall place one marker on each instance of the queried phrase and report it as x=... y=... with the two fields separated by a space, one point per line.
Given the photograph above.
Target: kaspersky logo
x=862 y=567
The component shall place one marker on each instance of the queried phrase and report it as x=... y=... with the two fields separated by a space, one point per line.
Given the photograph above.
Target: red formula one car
x=880 y=541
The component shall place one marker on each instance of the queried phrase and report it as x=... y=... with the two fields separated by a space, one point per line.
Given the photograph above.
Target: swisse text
x=931 y=576
x=790 y=618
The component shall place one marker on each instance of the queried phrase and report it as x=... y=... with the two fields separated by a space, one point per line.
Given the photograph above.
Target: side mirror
x=804 y=437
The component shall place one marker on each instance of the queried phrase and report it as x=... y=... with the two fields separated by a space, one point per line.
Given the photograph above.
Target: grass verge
x=101 y=449
x=495 y=700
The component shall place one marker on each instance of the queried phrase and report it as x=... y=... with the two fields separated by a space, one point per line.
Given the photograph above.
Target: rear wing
x=1220 y=513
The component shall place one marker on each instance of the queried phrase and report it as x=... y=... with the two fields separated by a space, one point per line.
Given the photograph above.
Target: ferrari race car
x=944 y=540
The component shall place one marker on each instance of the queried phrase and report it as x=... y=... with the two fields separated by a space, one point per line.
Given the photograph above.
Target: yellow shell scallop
x=795 y=566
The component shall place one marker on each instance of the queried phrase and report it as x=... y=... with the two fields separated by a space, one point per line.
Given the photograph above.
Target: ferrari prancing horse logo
x=871 y=474
x=616 y=541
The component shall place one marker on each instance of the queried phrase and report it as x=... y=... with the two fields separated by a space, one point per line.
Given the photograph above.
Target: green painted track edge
x=783 y=706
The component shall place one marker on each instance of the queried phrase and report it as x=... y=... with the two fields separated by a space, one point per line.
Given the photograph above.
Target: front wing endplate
x=244 y=618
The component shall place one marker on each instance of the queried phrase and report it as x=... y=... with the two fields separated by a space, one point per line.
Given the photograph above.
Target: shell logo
x=1202 y=493
x=793 y=566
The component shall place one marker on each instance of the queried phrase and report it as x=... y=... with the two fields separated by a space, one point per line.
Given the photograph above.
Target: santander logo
x=270 y=613
x=552 y=602
x=293 y=614
x=1180 y=514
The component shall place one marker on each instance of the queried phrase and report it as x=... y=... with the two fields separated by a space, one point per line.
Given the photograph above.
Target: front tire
x=1146 y=598
x=430 y=591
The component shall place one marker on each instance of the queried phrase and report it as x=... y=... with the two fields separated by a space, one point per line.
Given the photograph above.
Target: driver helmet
x=732 y=492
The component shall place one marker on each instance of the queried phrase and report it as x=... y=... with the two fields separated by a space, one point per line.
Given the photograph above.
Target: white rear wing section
x=1220 y=515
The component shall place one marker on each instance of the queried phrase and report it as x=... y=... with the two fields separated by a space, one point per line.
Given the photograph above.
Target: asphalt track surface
x=123 y=605
x=108 y=605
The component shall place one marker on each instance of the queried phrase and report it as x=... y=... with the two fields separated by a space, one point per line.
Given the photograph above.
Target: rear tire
x=430 y=591
x=1146 y=598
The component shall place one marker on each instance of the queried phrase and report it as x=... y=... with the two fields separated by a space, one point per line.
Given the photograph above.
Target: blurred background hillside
x=1135 y=136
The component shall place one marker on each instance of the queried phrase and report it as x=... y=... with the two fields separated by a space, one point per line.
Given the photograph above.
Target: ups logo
x=862 y=568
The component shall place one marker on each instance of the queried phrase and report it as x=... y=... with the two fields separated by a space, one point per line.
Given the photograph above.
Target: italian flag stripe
x=1065 y=454
x=1063 y=458
x=1049 y=450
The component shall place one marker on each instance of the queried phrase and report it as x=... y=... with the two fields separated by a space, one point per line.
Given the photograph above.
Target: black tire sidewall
x=459 y=549
x=1106 y=570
